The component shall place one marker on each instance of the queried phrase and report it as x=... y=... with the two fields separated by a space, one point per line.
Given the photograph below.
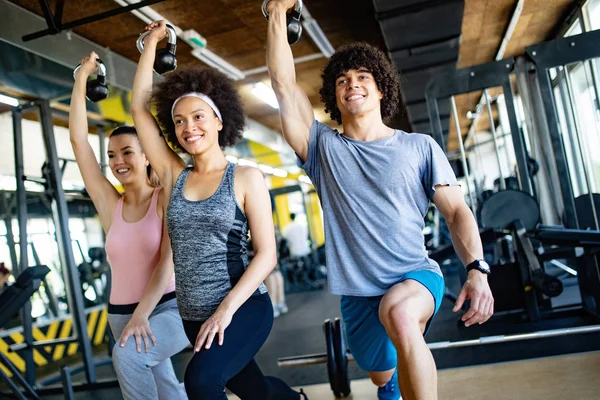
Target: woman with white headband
x=226 y=310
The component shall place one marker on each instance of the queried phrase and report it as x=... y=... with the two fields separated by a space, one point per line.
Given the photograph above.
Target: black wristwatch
x=479 y=265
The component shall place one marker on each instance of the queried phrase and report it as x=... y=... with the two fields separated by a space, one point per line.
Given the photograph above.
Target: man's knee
x=406 y=309
x=381 y=378
x=400 y=319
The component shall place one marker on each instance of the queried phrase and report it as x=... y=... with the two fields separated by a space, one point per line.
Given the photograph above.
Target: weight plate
x=502 y=208
x=332 y=370
x=339 y=344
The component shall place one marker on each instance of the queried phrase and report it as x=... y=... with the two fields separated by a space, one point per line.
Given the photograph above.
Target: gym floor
x=556 y=371
x=553 y=378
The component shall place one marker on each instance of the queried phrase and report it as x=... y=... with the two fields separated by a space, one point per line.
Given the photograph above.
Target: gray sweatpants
x=150 y=376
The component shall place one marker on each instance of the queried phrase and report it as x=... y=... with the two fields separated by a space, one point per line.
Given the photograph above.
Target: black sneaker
x=304 y=396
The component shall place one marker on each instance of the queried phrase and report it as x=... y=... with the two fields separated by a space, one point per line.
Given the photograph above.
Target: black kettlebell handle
x=172 y=40
x=297 y=8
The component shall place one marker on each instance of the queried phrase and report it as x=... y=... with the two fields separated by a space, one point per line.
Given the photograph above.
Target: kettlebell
x=294 y=27
x=165 y=60
x=96 y=89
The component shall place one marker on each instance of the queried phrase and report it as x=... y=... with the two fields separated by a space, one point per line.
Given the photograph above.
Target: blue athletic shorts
x=366 y=337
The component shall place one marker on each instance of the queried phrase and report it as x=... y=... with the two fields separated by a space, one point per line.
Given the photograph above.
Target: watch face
x=484 y=265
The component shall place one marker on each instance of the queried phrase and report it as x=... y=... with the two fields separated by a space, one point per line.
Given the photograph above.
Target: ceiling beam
x=64 y=49
x=67 y=50
x=54 y=28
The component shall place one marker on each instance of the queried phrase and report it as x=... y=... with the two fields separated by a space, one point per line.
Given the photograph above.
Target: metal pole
x=550 y=199
x=494 y=138
x=477 y=151
x=463 y=157
x=67 y=384
x=5 y=206
x=92 y=18
x=565 y=102
x=23 y=260
x=17 y=377
x=518 y=141
x=321 y=358
x=71 y=275
x=562 y=167
x=578 y=131
x=11 y=385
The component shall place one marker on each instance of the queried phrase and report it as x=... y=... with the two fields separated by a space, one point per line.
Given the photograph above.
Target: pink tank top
x=133 y=250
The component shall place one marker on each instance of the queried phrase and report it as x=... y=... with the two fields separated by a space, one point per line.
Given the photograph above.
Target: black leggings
x=232 y=365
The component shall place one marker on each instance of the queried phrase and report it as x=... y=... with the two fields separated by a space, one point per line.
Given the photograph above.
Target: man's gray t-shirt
x=374 y=197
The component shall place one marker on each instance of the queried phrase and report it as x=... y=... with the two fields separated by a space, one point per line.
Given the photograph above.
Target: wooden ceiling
x=483 y=27
x=236 y=31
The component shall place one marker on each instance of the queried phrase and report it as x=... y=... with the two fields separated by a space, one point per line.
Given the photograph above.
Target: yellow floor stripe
x=72 y=349
x=12 y=357
x=65 y=331
x=39 y=335
x=52 y=330
x=101 y=327
x=39 y=359
x=37 y=356
x=51 y=334
x=5 y=370
x=91 y=323
x=96 y=328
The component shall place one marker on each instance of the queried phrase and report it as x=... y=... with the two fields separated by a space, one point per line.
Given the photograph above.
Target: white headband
x=202 y=97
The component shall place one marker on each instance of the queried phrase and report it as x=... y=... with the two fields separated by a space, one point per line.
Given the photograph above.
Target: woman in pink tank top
x=142 y=311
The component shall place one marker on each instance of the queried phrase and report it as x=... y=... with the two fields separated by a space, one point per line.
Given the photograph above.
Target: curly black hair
x=355 y=56
x=210 y=82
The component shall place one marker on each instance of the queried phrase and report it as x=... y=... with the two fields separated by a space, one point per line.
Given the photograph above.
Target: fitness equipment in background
x=338 y=356
x=165 y=60
x=96 y=89
x=11 y=301
x=294 y=27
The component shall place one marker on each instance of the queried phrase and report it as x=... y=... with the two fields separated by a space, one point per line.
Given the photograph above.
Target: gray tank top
x=209 y=240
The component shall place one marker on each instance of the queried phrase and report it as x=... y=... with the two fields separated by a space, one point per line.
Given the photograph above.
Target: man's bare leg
x=404 y=312
x=380 y=378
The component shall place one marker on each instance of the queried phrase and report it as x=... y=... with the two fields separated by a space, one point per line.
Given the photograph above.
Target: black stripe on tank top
x=235 y=262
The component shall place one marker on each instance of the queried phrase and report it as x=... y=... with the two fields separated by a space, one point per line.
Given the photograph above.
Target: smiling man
x=375 y=184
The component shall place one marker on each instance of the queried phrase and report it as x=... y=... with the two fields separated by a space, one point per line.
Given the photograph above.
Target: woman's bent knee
x=202 y=384
x=127 y=357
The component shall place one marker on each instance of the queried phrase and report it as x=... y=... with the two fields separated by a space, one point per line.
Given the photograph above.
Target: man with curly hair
x=375 y=184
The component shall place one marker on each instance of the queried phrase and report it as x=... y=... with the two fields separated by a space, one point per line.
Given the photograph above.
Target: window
x=575 y=29
x=578 y=105
x=591 y=15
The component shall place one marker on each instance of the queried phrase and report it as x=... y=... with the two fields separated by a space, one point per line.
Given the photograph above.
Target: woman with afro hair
x=226 y=311
x=375 y=184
